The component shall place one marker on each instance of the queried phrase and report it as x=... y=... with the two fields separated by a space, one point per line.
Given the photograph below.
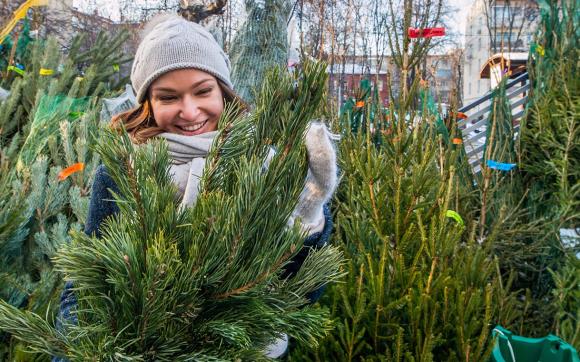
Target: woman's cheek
x=164 y=116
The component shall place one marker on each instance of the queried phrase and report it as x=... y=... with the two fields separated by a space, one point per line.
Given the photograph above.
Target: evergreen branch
x=32 y=329
x=244 y=288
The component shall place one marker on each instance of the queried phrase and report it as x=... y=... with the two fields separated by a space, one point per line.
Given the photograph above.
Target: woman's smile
x=191 y=129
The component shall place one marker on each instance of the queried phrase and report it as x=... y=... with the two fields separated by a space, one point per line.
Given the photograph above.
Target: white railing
x=474 y=127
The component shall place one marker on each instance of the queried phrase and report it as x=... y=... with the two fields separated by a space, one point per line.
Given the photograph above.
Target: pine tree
x=567 y=299
x=47 y=123
x=206 y=282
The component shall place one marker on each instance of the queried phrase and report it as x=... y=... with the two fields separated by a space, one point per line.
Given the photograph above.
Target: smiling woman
x=181 y=77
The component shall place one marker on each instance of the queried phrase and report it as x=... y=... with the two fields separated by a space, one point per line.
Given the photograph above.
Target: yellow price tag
x=45 y=71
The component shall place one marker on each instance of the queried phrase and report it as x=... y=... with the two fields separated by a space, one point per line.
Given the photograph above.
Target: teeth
x=194 y=127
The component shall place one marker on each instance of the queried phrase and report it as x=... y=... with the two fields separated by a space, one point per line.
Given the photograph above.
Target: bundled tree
x=260 y=44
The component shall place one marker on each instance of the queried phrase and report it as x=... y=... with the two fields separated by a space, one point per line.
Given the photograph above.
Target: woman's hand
x=321 y=180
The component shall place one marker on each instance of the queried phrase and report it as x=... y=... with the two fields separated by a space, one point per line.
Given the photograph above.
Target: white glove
x=321 y=180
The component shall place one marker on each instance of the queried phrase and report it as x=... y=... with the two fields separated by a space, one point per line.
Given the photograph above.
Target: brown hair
x=140 y=123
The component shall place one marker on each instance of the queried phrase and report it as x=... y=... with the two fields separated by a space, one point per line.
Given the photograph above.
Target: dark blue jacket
x=101 y=206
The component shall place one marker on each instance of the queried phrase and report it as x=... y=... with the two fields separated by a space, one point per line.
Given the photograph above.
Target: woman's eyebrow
x=167 y=89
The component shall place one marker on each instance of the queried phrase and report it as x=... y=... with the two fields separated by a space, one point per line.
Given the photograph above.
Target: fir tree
x=47 y=123
x=419 y=285
x=550 y=157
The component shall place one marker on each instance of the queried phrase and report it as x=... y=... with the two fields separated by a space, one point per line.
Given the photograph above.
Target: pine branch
x=260 y=277
x=32 y=329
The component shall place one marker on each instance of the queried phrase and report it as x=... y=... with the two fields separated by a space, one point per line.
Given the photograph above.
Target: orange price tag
x=461 y=115
x=360 y=104
x=62 y=175
x=457 y=141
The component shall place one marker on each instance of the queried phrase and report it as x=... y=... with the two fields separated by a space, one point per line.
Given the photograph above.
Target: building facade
x=440 y=71
x=494 y=26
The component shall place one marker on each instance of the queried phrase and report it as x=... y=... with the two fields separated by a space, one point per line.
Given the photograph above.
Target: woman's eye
x=205 y=91
x=166 y=98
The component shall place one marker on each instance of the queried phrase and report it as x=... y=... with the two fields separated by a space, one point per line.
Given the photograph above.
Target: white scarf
x=188 y=154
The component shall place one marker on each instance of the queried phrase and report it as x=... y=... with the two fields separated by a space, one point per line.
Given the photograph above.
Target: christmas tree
x=419 y=285
x=550 y=158
x=400 y=199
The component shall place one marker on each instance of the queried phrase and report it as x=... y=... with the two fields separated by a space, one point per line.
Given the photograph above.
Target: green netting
x=50 y=112
x=353 y=116
x=260 y=44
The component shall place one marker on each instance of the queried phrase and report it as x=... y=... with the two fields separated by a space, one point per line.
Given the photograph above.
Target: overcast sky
x=462 y=8
x=109 y=8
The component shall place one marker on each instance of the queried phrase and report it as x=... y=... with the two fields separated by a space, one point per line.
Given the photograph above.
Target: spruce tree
x=205 y=282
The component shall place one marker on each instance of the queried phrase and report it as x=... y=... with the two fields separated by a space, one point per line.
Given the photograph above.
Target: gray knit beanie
x=170 y=42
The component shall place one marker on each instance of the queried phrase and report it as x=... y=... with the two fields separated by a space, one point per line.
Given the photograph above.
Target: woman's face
x=186 y=101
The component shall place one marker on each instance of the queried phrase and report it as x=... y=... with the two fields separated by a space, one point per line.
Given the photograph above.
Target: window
x=443 y=73
x=505 y=39
x=469 y=88
x=504 y=13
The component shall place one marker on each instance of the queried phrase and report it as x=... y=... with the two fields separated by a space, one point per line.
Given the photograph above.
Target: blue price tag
x=500 y=166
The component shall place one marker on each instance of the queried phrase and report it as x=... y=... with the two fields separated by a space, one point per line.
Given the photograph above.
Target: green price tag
x=455 y=216
x=15 y=69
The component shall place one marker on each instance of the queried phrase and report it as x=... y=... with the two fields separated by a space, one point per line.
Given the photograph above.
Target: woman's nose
x=189 y=109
